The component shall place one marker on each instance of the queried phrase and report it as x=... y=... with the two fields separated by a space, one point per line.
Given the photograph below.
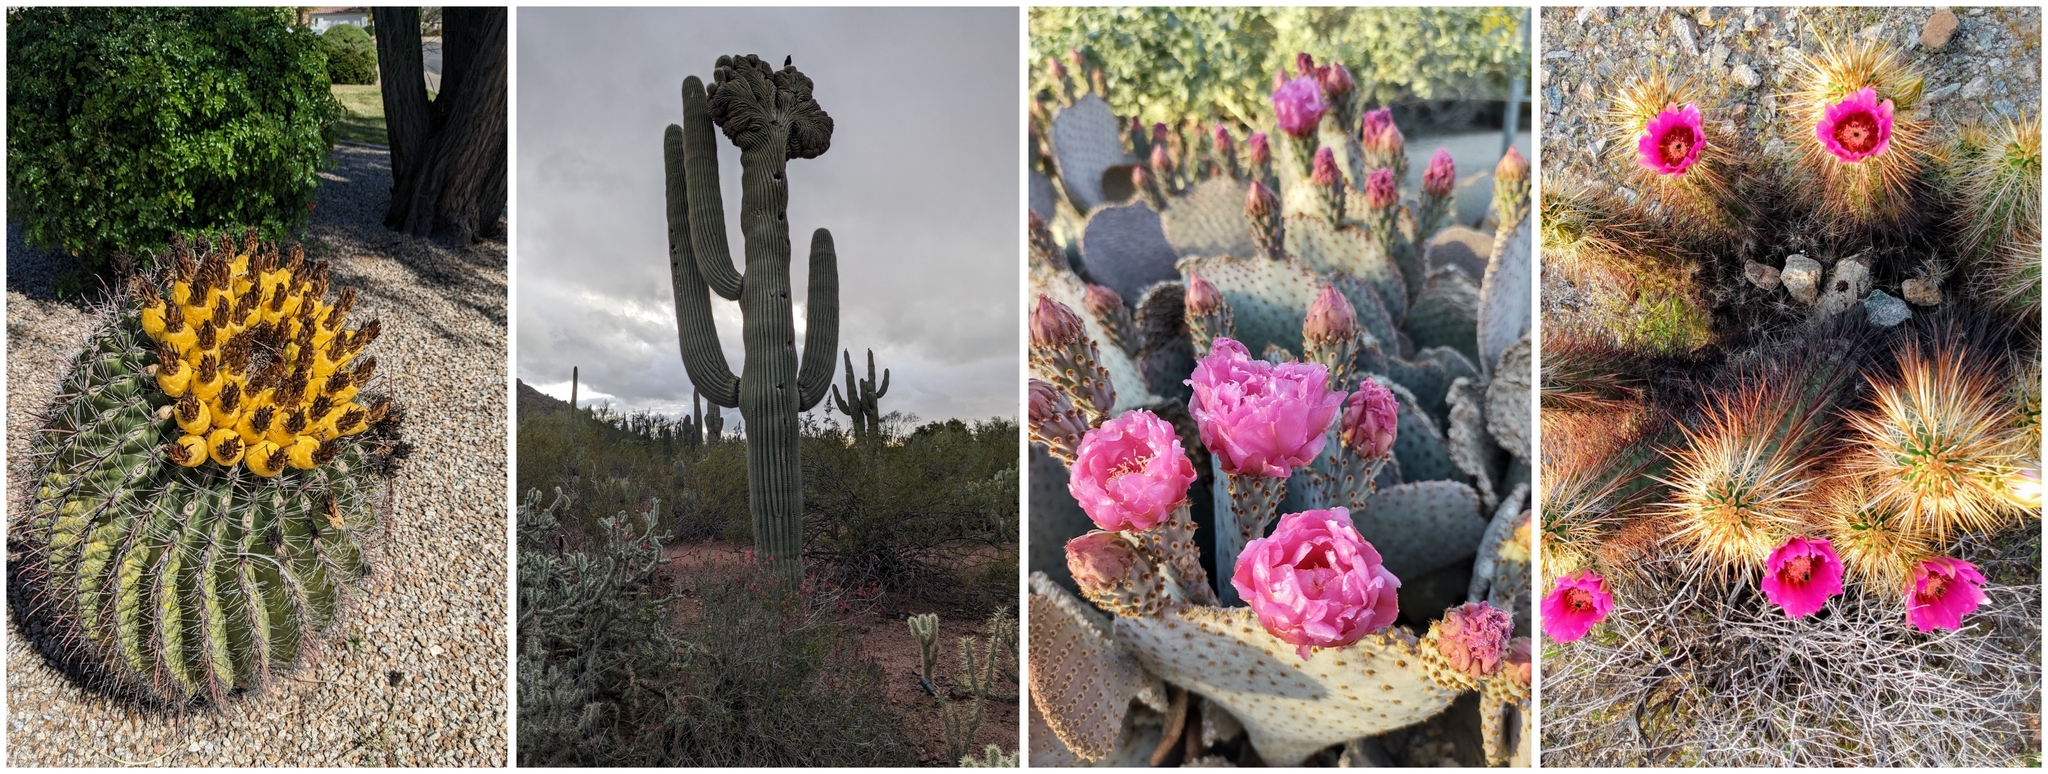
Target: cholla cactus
x=1303 y=354
x=206 y=475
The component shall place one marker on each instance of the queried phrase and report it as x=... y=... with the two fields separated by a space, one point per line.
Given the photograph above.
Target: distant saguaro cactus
x=863 y=400
x=572 y=386
x=771 y=116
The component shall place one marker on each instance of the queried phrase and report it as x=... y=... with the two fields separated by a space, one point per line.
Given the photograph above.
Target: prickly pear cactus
x=1316 y=278
x=206 y=476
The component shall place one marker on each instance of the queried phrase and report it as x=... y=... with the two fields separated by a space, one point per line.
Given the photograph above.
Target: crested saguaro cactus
x=771 y=116
x=863 y=401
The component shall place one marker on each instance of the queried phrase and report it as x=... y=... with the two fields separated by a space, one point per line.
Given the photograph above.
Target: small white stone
x=1802 y=278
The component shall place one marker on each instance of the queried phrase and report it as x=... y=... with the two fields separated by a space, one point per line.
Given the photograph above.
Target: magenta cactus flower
x=1314 y=583
x=1298 y=106
x=1259 y=148
x=1202 y=297
x=1330 y=317
x=1579 y=601
x=1474 y=637
x=1942 y=591
x=1261 y=419
x=1131 y=473
x=1326 y=173
x=1099 y=560
x=1671 y=142
x=1379 y=189
x=1053 y=324
x=1801 y=575
x=1371 y=421
x=1442 y=174
x=1856 y=128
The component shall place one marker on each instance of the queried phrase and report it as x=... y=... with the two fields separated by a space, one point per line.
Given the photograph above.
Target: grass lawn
x=364 y=121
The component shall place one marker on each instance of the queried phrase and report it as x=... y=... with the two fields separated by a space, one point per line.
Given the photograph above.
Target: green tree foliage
x=1170 y=64
x=127 y=124
x=351 y=55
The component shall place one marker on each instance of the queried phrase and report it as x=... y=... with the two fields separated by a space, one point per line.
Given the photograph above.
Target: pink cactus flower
x=1326 y=173
x=1336 y=79
x=1259 y=148
x=1131 y=473
x=1379 y=135
x=1053 y=324
x=1202 y=297
x=1856 y=128
x=1261 y=419
x=1474 y=637
x=1371 y=420
x=1223 y=140
x=1944 y=590
x=1330 y=316
x=1298 y=106
x=1379 y=189
x=1314 y=583
x=1442 y=174
x=1259 y=200
x=1579 y=601
x=1521 y=659
x=1801 y=575
x=1100 y=559
x=1671 y=142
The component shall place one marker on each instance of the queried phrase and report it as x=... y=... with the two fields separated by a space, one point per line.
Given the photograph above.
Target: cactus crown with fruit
x=207 y=474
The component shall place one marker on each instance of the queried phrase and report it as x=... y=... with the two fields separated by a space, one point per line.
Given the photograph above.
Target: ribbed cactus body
x=863 y=400
x=770 y=116
x=186 y=583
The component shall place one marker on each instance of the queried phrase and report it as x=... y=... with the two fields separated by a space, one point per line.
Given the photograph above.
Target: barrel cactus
x=207 y=475
x=771 y=115
x=1283 y=324
x=1790 y=407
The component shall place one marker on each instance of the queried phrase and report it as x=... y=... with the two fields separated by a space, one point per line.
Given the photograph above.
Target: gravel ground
x=432 y=610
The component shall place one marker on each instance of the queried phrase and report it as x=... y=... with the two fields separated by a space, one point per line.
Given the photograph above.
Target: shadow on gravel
x=348 y=217
x=57 y=643
x=33 y=273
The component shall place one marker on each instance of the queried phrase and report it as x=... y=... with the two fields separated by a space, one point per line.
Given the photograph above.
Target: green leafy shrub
x=351 y=55
x=128 y=124
x=1169 y=64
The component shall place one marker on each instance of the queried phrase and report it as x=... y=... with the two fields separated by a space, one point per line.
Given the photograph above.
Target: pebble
x=1681 y=26
x=1802 y=278
x=1922 y=291
x=1940 y=27
x=1885 y=311
x=1976 y=88
x=1849 y=281
x=1744 y=75
x=1761 y=275
x=1717 y=55
x=444 y=319
x=1938 y=94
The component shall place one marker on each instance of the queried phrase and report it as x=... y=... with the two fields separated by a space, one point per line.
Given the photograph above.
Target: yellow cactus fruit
x=300 y=454
x=265 y=459
x=207 y=379
x=287 y=431
x=350 y=421
x=255 y=424
x=188 y=451
x=227 y=406
x=224 y=447
x=192 y=414
x=172 y=375
x=178 y=331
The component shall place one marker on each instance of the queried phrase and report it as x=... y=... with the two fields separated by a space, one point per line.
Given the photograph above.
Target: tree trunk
x=448 y=155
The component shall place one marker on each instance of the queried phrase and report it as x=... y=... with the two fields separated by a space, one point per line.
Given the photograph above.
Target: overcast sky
x=919 y=189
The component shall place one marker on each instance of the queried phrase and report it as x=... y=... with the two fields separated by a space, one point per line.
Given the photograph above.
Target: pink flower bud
x=1326 y=173
x=1298 y=106
x=1053 y=324
x=1330 y=316
x=1441 y=175
x=1223 y=140
x=1801 y=575
x=1314 y=583
x=1075 y=59
x=1102 y=302
x=1379 y=135
x=1579 y=601
x=1100 y=560
x=1202 y=297
x=1045 y=401
x=1131 y=473
x=1512 y=167
x=1379 y=189
x=1371 y=422
x=1258 y=149
x=1159 y=133
x=1337 y=79
x=1521 y=659
x=1856 y=128
x=1161 y=161
x=1259 y=201
x=1304 y=64
x=1474 y=637
x=1059 y=71
x=1140 y=178
x=1942 y=591
x=1261 y=419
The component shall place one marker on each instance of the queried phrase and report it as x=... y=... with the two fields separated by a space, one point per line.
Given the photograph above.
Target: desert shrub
x=128 y=124
x=759 y=675
x=351 y=55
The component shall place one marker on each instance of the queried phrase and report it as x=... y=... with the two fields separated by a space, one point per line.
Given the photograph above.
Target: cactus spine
x=863 y=400
x=771 y=116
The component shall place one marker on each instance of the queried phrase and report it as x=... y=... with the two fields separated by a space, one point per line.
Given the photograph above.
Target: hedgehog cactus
x=772 y=117
x=204 y=475
x=862 y=403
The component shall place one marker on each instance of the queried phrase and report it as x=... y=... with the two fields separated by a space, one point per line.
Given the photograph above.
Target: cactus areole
x=771 y=116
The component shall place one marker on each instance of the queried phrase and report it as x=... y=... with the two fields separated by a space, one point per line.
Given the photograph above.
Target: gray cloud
x=920 y=191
